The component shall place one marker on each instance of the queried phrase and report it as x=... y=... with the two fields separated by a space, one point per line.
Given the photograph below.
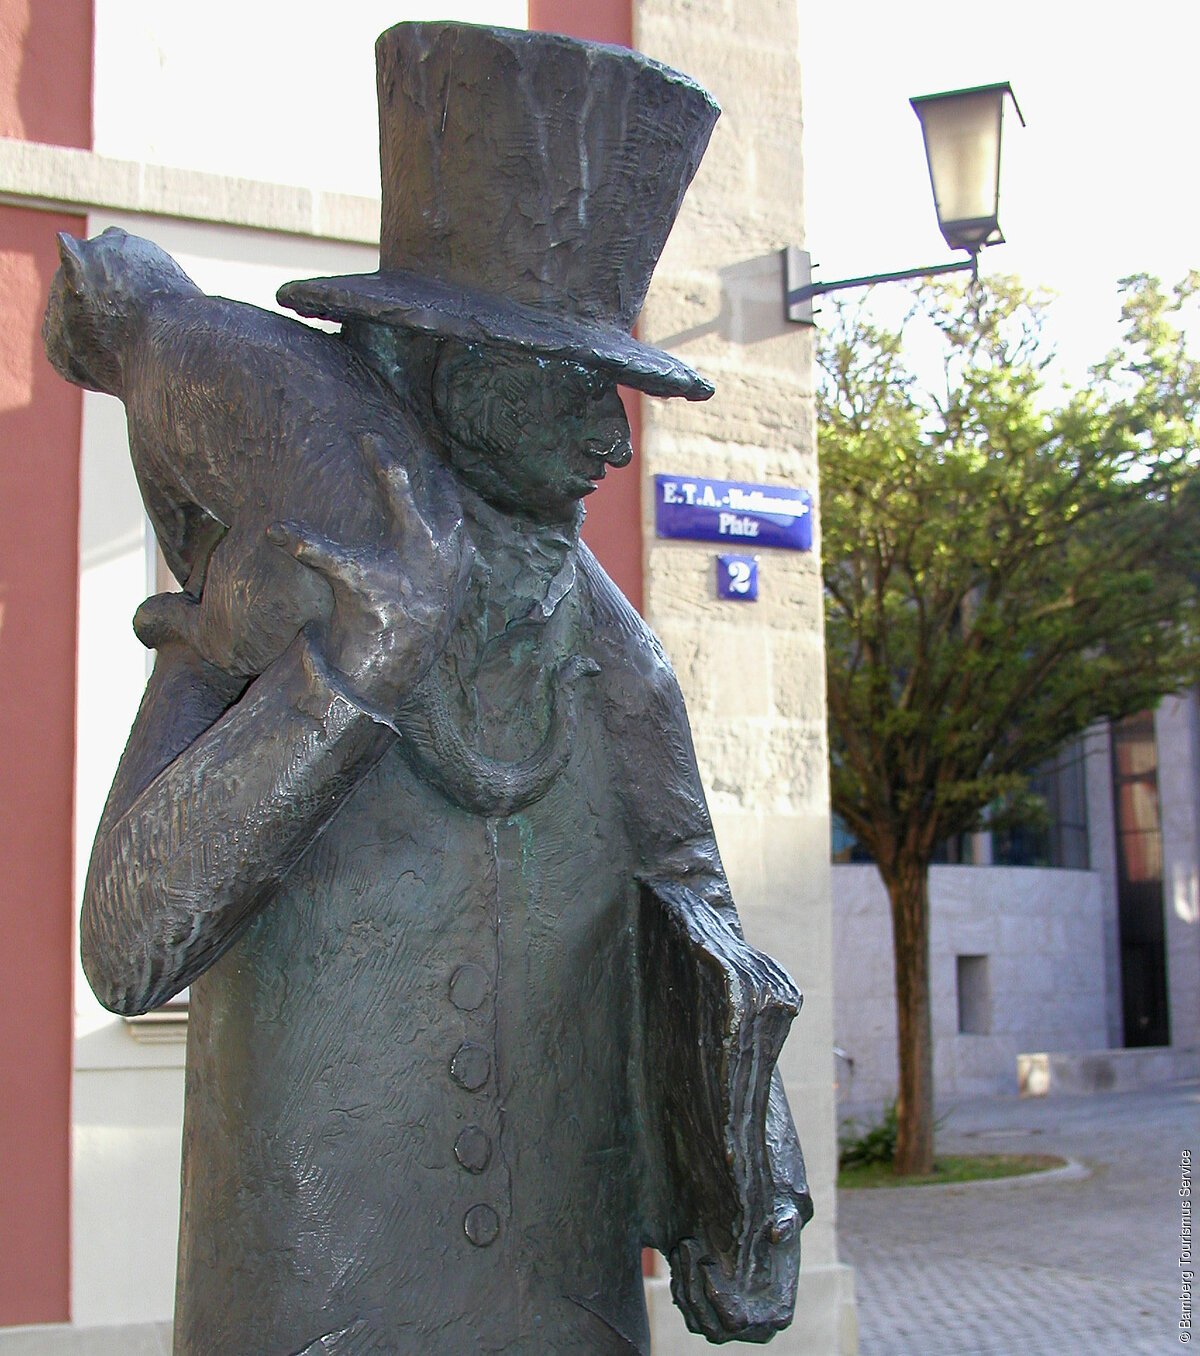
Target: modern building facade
x=242 y=139
x=1075 y=942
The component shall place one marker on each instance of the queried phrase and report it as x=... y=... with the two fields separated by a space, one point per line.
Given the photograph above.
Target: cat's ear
x=71 y=257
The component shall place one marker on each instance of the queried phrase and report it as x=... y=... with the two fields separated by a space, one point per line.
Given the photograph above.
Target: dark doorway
x=1140 y=881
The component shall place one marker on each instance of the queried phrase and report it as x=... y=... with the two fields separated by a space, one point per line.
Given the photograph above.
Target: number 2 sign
x=737 y=578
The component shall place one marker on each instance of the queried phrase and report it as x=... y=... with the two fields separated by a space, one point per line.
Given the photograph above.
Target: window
x=1061 y=838
x=974 y=996
x=1140 y=912
x=845 y=847
x=957 y=850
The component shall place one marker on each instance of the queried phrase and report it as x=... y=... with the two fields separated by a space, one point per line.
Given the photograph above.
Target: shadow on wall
x=751 y=305
x=46 y=71
x=39 y=524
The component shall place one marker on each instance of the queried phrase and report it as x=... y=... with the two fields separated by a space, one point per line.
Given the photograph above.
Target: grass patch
x=950 y=1168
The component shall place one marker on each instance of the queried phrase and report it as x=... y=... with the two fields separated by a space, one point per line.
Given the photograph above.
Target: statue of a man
x=442 y=876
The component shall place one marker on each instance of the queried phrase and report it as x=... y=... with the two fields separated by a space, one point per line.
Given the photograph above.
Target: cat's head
x=99 y=295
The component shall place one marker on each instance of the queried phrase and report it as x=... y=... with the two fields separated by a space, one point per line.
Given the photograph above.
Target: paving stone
x=1052 y=1268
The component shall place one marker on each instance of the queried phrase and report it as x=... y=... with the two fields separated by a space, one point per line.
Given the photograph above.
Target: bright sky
x=1101 y=183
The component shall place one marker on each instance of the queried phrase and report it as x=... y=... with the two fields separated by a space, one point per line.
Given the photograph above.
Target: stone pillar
x=1177 y=733
x=1102 y=859
x=752 y=673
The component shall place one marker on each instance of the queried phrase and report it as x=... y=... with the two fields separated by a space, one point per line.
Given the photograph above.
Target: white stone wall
x=1043 y=933
x=277 y=90
x=753 y=674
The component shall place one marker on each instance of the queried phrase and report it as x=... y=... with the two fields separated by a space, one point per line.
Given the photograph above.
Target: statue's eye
x=590 y=388
x=576 y=397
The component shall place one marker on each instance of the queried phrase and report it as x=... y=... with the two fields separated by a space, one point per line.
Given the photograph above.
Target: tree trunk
x=908 y=890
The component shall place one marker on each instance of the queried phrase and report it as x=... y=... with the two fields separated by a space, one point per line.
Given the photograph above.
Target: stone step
x=1039 y=1075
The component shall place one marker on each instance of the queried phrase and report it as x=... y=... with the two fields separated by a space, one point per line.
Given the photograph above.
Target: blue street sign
x=737 y=578
x=733 y=512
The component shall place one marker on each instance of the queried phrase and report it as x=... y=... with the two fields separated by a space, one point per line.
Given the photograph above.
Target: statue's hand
x=750 y=1302
x=395 y=602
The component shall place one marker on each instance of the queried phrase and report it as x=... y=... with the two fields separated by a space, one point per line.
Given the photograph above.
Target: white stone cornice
x=65 y=178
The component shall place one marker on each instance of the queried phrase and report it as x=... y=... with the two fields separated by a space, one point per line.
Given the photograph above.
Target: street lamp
x=962 y=132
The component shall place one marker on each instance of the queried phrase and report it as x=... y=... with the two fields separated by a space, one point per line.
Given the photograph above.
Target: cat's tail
x=437 y=751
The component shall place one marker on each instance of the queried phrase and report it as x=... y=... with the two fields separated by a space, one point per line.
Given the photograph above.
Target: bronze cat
x=241 y=419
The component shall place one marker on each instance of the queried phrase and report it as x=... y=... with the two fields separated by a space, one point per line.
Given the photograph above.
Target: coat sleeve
x=217 y=796
x=726 y=1169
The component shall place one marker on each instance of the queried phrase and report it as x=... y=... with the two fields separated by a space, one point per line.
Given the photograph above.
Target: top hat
x=529 y=185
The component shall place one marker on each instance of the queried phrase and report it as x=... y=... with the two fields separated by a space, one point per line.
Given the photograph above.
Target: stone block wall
x=1042 y=933
x=752 y=673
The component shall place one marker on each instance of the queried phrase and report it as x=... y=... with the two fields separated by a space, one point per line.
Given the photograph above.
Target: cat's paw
x=166 y=617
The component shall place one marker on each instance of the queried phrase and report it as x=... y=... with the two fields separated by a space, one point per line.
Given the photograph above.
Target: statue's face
x=531 y=435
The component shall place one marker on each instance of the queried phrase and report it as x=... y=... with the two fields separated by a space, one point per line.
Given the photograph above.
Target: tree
x=1002 y=569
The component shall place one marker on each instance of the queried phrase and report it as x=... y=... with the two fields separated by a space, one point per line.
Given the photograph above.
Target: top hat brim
x=416 y=302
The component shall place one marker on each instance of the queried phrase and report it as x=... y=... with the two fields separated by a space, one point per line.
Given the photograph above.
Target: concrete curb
x=1071 y=1171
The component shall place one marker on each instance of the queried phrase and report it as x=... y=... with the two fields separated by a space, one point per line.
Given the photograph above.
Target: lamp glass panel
x=962 y=142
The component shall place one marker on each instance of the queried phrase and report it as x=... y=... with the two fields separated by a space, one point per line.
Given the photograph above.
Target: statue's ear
x=71 y=257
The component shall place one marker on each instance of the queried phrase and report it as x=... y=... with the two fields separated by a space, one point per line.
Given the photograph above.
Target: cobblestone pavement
x=1086 y=1267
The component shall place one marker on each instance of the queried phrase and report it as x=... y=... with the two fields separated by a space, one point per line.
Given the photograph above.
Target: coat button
x=481 y=1225
x=470 y=1066
x=473 y=1149
x=468 y=987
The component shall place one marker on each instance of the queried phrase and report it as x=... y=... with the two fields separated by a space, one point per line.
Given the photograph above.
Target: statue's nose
x=609 y=440
x=620 y=452
x=614 y=449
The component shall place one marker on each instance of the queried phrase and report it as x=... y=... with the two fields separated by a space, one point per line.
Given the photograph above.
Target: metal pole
x=800 y=289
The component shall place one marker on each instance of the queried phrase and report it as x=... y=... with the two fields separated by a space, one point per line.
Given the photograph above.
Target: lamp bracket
x=799 y=288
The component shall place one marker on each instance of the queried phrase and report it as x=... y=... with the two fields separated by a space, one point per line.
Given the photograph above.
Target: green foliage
x=864 y=1145
x=859 y=1145
x=951 y=1168
x=1001 y=569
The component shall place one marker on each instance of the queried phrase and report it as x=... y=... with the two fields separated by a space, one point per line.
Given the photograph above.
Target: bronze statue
x=411 y=800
